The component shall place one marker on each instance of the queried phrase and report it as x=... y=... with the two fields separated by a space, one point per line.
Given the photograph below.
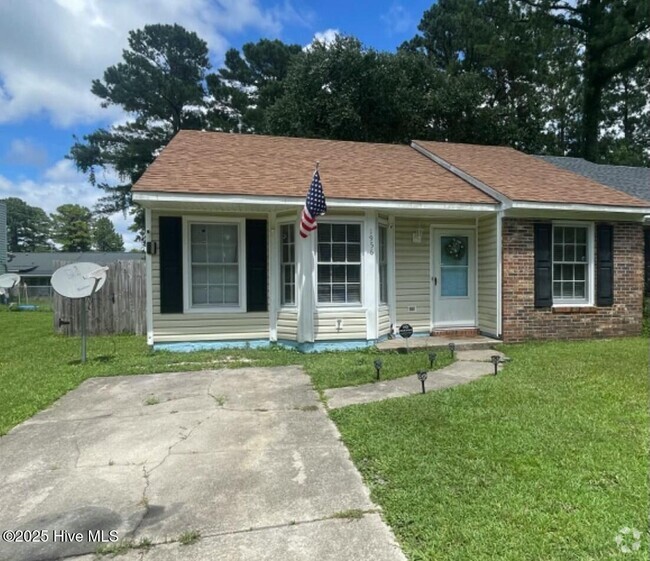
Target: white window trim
x=341 y=306
x=296 y=235
x=591 y=265
x=187 y=264
x=381 y=223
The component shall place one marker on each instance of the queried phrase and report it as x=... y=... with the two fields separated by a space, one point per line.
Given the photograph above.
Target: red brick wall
x=522 y=321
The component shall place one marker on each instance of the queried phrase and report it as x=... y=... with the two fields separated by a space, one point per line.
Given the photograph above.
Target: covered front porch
x=352 y=283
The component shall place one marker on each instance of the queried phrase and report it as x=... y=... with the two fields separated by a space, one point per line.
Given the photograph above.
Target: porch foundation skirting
x=523 y=321
x=315 y=347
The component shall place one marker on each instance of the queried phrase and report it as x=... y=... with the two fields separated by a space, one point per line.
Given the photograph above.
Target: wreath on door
x=455 y=248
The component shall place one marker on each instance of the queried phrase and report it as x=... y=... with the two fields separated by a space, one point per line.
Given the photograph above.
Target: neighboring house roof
x=42 y=264
x=521 y=177
x=632 y=180
x=3 y=236
x=237 y=164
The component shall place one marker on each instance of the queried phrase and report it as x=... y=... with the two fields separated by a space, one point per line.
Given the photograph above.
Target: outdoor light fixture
x=496 y=359
x=422 y=376
x=378 y=364
x=452 y=349
x=432 y=359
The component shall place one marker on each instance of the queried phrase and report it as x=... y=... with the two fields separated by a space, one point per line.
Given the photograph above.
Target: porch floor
x=462 y=343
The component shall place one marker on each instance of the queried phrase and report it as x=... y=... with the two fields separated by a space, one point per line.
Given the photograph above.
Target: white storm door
x=454 y=278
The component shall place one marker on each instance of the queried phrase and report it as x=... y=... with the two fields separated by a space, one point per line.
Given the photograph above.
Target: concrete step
x=438 y=342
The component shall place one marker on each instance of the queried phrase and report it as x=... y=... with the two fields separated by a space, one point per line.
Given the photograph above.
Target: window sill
x=584 y=309
x=214 y=310
x=340 y=308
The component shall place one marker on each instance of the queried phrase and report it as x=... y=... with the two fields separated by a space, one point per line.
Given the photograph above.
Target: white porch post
x=305 y=297
x=274 y=276
x=149 y=294
x=371 y=275
x=499 y=242
x=392 y=288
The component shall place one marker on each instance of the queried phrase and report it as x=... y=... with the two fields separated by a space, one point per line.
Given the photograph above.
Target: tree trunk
x=591 y=121
x=591 y=105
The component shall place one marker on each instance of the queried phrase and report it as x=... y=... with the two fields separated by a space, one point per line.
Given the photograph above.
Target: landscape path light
x=496 y=359
x=422 y=376
x=378 y=365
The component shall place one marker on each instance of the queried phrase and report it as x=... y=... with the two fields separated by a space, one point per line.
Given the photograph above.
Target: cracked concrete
x=246 y=457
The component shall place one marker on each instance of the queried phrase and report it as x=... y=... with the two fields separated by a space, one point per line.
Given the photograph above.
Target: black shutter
x=543 y=264
x=604 y=265
x=171 y=264
x=646 y=234
x=256 y=263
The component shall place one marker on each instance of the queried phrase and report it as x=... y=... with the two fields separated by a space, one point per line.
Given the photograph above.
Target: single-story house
x=450 y=238
x=634 y=180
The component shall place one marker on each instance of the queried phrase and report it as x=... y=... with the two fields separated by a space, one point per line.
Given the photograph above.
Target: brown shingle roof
x=234 y=164
x=525 y=178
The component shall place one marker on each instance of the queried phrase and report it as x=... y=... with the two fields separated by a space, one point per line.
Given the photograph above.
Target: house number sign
x=371 y=242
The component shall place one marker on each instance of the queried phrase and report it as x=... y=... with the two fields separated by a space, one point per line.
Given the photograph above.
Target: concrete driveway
x=247 y=458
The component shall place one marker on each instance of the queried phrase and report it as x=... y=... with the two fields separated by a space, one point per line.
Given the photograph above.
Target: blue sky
x=50 y=50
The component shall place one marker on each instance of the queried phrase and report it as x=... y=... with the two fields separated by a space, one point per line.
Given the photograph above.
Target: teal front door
x=453 y=278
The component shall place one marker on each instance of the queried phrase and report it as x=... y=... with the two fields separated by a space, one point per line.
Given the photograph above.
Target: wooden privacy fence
x=119 y=307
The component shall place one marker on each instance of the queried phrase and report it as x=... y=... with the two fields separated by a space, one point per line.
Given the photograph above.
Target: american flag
x=315 y=205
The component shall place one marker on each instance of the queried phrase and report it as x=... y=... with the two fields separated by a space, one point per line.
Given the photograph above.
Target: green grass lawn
x=546 y=461
x=38 y=366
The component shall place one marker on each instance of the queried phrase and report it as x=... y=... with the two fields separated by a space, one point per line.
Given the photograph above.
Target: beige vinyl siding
x=413 y=268
x=384 y=320
x=487 y=274
x=287 y=326
x=353 y=324
x=211 y=327
x=199 y=326
x=412 y=274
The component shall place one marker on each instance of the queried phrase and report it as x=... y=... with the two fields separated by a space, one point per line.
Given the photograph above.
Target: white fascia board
x=579 y=207
x=149 y=200
x=505 y=201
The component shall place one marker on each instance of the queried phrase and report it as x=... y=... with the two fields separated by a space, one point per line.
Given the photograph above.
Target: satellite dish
x=9 y=280
x=79 y=280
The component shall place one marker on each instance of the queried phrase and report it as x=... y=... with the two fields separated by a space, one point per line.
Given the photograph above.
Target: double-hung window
x=382 y=258
x=214 y=265
x=572 y=262
x=339 y=263
x=288 y=264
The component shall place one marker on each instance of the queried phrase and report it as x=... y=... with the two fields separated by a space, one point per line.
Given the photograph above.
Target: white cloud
x=51 y=50
x=23 y=151
x=326 y=37
x=288 y=13
x=398 y=19
x=62 y=184
x=62 y=172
